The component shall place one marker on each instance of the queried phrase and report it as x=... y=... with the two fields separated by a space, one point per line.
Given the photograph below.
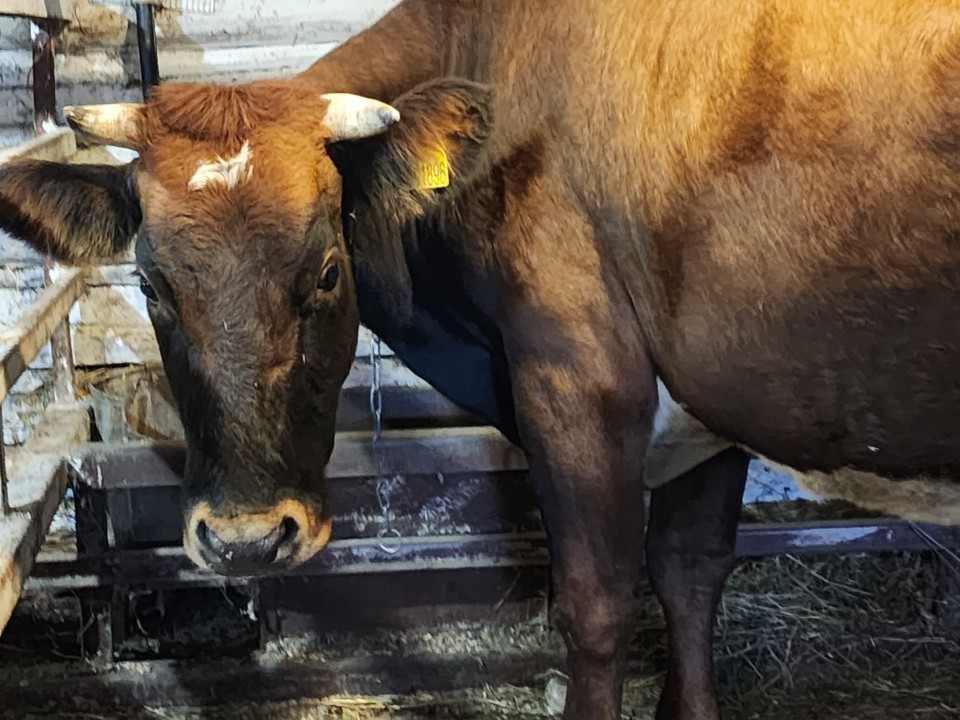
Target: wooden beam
x=20 y=344
x=115 y=466
x=38 y=479
x=38 y=9
x=58 y=146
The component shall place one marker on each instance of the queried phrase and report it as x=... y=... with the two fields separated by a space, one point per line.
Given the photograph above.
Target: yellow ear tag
x=433 y=170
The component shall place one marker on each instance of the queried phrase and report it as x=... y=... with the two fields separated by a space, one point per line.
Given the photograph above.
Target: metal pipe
x=44 y=82
x=4 y=489
x=147 y=44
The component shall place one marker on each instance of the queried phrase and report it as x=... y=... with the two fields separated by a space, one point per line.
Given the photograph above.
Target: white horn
x=351 y=117
x=114 y=124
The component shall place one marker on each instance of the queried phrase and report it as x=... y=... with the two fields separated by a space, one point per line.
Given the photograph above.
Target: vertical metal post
x=44 y=80
x=96 y=612
x=147 y=45
x=4 y=489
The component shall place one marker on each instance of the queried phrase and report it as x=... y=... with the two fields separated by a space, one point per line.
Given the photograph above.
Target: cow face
x=235 y=209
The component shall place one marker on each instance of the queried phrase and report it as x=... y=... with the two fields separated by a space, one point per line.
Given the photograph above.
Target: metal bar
x=842 y=536
x=44 y=79
x=147 y=45
x=4 y=479
x=169 y=566
x=93 y=545
x=20 y=344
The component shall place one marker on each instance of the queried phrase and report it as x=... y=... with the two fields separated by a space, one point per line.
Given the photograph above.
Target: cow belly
x=679 y=442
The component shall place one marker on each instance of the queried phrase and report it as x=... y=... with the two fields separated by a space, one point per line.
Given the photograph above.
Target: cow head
x=235 y=208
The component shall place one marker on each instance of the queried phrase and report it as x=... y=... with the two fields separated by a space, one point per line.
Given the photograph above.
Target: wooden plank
x=57 y=145
x=112 y=305
x=38 y=9
x=123 y=466
x=20 y=344
x=38 y=479
x=98 y=345
x=456 y=450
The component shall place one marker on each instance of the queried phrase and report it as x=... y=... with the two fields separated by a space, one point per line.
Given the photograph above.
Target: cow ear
x=78 y=214
x=432 y=152
x=392 y=179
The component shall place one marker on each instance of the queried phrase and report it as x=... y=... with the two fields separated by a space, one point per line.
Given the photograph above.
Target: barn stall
x=431 y=599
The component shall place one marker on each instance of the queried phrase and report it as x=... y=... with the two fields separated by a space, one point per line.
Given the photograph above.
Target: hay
x=848 y=636
x=822 y=638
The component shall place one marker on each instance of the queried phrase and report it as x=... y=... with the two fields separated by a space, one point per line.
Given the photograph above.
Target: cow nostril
x=207 y=538
x=288 y=531
x=202 y=532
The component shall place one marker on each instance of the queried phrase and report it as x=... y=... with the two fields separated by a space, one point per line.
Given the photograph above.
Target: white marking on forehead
x=230 y=172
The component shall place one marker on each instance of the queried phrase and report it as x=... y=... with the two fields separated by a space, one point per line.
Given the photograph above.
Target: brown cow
x=750 y=207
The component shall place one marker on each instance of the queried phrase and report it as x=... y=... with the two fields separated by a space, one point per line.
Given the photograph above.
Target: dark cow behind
x=638 y=236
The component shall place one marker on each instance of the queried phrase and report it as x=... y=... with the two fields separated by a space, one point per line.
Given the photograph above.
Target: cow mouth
x=246 y=543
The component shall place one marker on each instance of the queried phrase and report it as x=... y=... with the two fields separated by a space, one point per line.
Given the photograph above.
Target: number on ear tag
x=433 y=170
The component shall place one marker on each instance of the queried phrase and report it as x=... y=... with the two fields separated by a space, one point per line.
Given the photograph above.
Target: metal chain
x=383 y=488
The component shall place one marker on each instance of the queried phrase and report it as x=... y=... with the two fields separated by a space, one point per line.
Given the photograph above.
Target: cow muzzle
x=251 y=543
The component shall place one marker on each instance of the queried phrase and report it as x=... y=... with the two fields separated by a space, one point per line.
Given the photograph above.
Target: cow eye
x=328 y=281
x=147 y=289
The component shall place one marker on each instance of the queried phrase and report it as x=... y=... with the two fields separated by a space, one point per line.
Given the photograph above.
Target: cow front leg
x=691 y=541
x=585 y=441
